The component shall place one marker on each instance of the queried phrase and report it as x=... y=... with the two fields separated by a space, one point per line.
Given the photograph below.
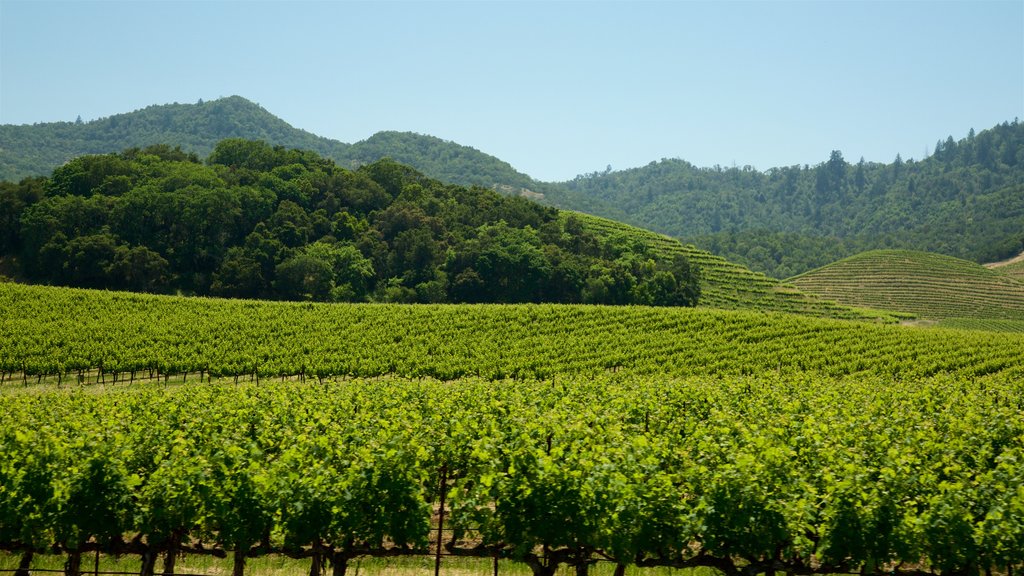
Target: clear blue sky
x=554 y=88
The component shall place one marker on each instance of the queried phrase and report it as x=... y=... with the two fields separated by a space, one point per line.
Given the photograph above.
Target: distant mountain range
x=30 y=150
x=965 y=200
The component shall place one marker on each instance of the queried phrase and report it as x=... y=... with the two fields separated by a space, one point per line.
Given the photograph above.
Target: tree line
x=259 y=221
x=966 y=200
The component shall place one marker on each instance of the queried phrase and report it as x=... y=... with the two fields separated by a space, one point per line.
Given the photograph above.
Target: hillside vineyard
x=929 y=285
x=556 y=435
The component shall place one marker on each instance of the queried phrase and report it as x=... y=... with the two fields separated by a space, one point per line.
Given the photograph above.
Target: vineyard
x=554 y=436
x=727 y=285
x=990 y=324
x=65 y=333
x=1015 y=269
x=928 y=285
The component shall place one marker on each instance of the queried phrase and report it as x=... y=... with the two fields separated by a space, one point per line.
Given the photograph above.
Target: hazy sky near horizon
x=554 y=88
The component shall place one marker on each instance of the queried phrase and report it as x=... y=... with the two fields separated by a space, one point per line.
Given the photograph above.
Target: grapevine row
x=56 y=331
x=802 y=474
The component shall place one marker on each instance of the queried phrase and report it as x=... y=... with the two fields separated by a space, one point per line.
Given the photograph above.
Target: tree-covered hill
x=965 y=200
x=441 y=159
x=35 y=150
x=931 y=286
x=267 y=222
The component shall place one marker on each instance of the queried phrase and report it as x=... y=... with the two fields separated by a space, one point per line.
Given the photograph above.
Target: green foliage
x=739 y=441
x=264 y=221
x=60 y=330
x=965 y=201
x=763 y=472
x=926 y=285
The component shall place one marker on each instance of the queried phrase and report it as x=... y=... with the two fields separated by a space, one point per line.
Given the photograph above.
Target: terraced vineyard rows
x=730 y=286
x=928 y=285
x=1016 y=270
x=49 y=331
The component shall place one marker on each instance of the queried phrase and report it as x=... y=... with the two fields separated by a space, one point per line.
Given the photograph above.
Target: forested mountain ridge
x=443 y=160
x=35 y=150
x=259 y=221
x=965 y=200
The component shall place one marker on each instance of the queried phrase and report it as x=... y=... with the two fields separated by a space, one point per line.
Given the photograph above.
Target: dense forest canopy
x=260 y=221
x=965 y=200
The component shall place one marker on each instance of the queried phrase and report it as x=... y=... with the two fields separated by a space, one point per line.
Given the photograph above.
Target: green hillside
x=442 y=159
x=965 y=200
x=1014 y=267
x=727 y=285
x=256 y=221
x=49 y=330
x=931 y=286
x=34 y=150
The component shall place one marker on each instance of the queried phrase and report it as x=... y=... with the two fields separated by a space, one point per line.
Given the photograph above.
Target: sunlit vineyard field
x=927 y=285
x=51 y=331
x=727 y=285
x=1016 y=269
x=594 y=439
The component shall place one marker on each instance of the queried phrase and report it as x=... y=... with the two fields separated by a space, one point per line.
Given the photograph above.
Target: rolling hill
x=931 y=286
x=34 y=150
x=257 y=221
x=1011 y=267
x=730 y=286
x=965 y=200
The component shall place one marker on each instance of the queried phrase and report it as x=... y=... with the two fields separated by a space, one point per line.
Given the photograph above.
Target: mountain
x=965 y=200
x=931 y=286
x=32 y=150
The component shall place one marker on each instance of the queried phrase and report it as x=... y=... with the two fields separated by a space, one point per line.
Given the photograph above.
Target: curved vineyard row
x=745 y=475
x=1014 y=269
x=929 y=285
x=730 y=286
x=58 y=331
x=990 y=324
